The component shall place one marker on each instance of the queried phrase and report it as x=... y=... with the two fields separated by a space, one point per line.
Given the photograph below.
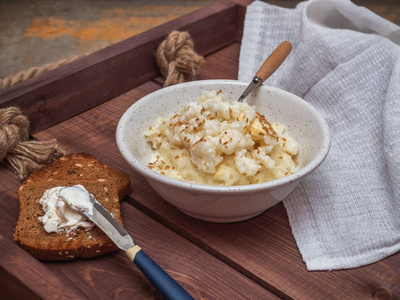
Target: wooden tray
x=80 y=104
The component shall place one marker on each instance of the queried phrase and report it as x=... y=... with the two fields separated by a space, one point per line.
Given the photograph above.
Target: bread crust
x=108 y=186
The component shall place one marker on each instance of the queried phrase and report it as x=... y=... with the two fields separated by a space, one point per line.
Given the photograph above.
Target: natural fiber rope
x=35 y=71
x=22 y=155
x=177 y=60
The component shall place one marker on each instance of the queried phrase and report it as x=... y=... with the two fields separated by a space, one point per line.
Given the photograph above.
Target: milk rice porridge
x=215 y=142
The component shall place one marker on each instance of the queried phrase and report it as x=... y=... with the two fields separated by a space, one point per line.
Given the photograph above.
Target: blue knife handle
x=164 y=283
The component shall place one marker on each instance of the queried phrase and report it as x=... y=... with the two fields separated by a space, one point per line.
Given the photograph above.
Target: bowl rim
x=151 y=175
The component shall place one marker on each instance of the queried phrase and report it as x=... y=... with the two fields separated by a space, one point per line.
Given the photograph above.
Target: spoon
x=270 y=65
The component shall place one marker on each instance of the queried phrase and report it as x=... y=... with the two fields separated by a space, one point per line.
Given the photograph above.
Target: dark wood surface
x=254 y=259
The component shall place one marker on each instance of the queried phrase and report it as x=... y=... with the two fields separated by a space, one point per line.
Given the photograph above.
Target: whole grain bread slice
x=107 y=185
x=80 y=167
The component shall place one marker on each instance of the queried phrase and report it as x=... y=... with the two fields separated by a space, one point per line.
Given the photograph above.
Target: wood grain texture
x=18 y=267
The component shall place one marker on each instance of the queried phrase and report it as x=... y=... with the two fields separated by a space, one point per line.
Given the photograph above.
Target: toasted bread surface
x=107 y=185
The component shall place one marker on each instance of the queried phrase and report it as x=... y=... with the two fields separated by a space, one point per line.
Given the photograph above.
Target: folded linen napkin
x=345 y=62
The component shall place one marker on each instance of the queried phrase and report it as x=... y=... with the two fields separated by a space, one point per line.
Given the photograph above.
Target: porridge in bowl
x=217 y=199
x=214 y=142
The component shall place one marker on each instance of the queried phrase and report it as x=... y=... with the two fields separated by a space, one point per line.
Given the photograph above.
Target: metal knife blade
x=111 y=227
x=253 y=84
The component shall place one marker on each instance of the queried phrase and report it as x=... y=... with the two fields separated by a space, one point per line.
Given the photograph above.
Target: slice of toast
x=107 y=185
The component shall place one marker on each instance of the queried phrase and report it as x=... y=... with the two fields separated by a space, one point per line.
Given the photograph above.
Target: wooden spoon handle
x=274 y=60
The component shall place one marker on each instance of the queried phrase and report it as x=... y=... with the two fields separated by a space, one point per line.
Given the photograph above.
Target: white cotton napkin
x=345 y=62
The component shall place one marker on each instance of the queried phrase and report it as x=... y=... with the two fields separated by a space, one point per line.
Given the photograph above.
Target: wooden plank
x=390 y=10
x=17 y=268
x=14 y=289
x=71 y=89
x=222 y=65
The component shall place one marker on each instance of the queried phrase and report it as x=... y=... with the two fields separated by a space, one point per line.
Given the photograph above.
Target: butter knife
x=164 y=283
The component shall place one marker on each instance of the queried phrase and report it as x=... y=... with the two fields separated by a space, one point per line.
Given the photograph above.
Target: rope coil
x=22 y=155
x=177 y=60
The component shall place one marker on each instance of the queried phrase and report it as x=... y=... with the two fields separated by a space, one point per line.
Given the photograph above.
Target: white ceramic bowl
x=220 y=203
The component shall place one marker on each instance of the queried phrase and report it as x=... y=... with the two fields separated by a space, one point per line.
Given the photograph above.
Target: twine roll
x=177 y=60
x=21 y=154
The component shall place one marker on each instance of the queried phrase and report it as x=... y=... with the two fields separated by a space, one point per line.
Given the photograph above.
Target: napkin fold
x=346 y=63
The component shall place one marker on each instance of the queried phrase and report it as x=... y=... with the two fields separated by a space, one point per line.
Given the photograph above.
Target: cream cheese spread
x=215 y=142
x=61 y=206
